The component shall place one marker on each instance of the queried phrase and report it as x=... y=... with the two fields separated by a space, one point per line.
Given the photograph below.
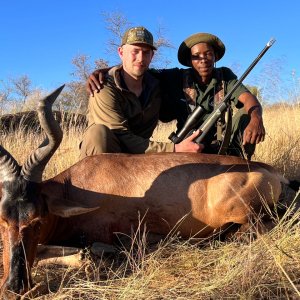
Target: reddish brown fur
x=102 y=195
x=209 y=190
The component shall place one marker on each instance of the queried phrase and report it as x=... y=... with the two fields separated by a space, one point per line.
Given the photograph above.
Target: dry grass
x=267 y=268
x=281 y=148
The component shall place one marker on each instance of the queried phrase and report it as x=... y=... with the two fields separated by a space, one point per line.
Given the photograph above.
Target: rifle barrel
x=249 y=69
x=260 y=55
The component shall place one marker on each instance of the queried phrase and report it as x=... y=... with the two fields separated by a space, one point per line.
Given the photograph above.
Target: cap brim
x=142 y=43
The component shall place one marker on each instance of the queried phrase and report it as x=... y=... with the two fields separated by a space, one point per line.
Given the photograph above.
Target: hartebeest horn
x=33 y=168
x=9 y=168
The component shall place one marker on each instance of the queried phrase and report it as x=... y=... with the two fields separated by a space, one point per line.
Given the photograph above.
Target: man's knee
x=98 y=139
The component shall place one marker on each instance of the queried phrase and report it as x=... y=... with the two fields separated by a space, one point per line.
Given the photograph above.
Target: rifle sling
x=224 y=124
x=227 y=133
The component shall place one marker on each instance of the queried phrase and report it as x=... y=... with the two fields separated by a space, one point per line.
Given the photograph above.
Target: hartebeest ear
x=67 y=208
x=66 y=211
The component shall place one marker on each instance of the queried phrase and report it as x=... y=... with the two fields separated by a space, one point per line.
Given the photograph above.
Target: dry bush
x=267 y=268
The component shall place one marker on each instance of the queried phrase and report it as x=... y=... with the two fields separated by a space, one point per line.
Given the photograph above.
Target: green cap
x=138 y=35
x=184 y=51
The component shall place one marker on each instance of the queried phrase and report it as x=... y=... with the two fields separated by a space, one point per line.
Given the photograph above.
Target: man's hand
x=187 y=145
x=255 y=131
x=96 y=81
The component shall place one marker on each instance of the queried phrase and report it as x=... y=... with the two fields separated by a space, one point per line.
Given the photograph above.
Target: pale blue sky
x=40 y=38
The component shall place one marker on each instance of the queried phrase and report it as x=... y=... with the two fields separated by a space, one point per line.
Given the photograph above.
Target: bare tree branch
x=116 y=24
x=4 y=95
x=22 y=86
x=161 y=40
x=101 y=63
x=82 y=67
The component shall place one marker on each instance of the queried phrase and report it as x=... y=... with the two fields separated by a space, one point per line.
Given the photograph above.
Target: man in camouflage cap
x=138 y=35
x=124 y=115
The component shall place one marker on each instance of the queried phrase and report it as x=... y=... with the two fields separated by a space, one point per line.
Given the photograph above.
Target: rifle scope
x=190 y=123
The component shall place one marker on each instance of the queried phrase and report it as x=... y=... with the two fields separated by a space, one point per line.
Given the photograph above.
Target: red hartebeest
x=104 y=194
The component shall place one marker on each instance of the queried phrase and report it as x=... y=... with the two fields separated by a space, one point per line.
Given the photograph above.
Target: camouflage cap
x=184 y=51
x=138 y=35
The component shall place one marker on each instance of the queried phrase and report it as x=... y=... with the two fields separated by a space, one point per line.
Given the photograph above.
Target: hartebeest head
x=20 y=207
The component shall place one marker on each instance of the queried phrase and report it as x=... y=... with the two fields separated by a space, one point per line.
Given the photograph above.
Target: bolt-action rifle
x=193 y=119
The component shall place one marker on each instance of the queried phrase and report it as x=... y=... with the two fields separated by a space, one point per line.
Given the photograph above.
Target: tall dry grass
x=266 y=268
x=281 y=148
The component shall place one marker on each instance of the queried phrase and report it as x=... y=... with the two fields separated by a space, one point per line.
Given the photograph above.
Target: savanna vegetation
x=267 y=267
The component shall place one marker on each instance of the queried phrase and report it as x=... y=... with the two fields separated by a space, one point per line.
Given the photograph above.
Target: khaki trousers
x=98 y=139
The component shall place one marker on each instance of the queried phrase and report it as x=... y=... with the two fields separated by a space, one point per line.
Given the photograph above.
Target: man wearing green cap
x=124 y=115
x=204 y=84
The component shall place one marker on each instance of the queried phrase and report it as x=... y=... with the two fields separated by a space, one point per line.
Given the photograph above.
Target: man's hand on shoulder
x=96 y=80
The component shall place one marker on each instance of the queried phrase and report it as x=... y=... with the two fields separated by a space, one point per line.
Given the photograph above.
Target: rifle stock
x=214 y=116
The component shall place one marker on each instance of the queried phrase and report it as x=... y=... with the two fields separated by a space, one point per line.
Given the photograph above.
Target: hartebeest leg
x=70 y=256
x=66 y=256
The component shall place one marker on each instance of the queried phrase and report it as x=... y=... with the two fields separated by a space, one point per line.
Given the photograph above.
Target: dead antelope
x=104 y=194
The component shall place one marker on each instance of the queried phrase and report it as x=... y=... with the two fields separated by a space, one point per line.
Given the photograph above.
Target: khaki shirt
x=121 y=110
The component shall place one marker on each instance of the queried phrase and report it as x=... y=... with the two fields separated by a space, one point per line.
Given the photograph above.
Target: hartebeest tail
x=103 y=195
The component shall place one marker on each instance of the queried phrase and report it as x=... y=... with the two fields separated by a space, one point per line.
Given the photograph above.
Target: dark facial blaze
x=20 y=219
